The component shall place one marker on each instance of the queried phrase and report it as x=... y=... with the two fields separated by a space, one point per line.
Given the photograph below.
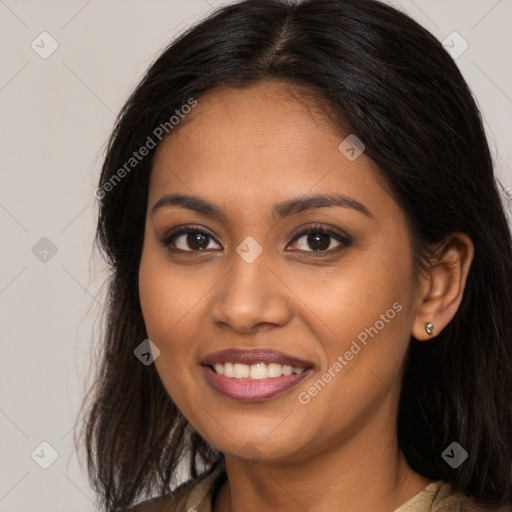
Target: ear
x=442 y=287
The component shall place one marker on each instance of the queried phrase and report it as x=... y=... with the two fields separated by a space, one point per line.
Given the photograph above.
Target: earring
x=429 y=327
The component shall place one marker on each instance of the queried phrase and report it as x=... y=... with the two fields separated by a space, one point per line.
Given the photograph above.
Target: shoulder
x=191 y=494
x=169 y=503
x=440 y=496
x=450 y=500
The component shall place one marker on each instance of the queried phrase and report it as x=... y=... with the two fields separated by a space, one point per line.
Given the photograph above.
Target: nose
x=251 y=297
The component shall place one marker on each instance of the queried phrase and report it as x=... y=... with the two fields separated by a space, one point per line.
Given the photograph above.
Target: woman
x=310 y=302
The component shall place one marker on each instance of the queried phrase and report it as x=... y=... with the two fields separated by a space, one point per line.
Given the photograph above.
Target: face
x=326 y=288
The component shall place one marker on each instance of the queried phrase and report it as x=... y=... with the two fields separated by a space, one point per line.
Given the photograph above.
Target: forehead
x=263 y=141
x=258 y=97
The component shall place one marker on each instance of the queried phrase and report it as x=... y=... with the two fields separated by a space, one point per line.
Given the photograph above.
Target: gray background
x=57 y=113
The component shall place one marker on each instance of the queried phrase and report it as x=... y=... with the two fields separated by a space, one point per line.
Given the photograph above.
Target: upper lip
x=255 y=356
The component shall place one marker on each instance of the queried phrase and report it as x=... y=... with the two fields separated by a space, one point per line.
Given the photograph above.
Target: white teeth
x=255 y=371
x=258 y=371
x=241 y=371
x=229 y=370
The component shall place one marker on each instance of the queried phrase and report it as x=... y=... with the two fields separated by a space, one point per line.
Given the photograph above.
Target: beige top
x=189 y=497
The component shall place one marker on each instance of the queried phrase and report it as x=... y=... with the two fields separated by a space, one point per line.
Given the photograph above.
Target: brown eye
x=191 y=240
x=321 y=240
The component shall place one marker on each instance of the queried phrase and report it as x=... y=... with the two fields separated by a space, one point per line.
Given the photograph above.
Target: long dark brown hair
x=389 y=80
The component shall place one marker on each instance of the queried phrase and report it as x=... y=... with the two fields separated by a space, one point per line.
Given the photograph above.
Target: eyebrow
x=279 y=211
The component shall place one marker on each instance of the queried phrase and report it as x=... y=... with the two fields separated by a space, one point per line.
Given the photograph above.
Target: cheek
x=170 y=307
x=358 y=297
x=159 y=298
x=363 y=368
x=168 y=296
x=366 y=315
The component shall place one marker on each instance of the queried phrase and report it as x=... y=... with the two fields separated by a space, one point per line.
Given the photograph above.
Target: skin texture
x=245 y=150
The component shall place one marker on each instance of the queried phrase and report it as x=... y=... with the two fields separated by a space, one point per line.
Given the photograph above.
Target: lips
x=247 y=386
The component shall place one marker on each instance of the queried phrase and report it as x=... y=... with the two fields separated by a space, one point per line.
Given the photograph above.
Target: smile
x=253 y=375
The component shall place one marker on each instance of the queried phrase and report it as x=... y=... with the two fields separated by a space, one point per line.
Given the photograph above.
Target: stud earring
x=429 y=327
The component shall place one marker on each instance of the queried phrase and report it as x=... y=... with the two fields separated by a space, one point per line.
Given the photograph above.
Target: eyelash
x=345 y=240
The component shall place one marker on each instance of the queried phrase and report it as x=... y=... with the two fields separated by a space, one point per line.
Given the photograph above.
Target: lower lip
x=253 y=390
